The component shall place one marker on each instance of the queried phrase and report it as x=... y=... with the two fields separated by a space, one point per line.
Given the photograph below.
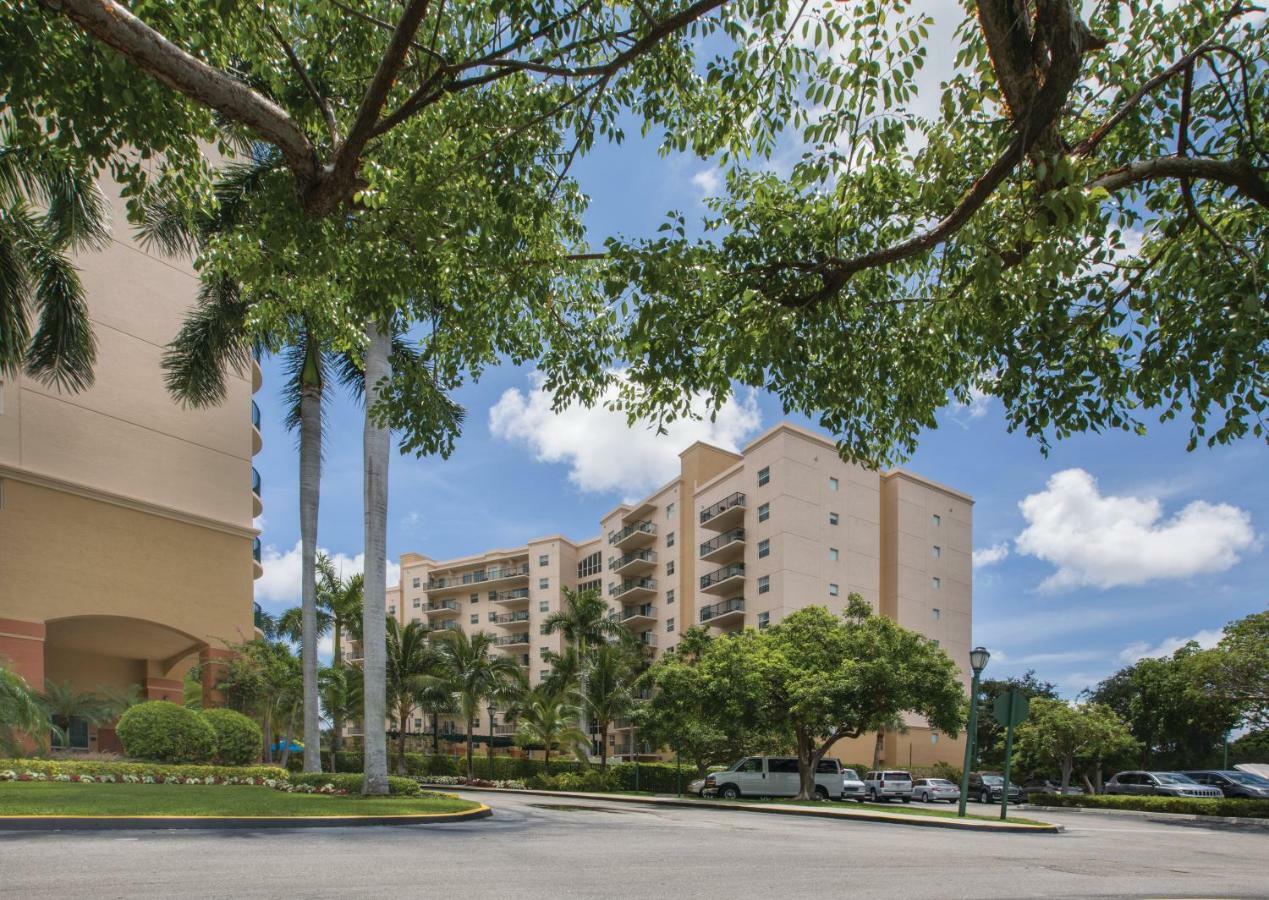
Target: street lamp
x=978 y=658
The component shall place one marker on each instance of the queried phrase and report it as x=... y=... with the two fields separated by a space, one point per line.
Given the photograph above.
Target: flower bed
x=278 y=784
x=99 y=769
x=455 y=781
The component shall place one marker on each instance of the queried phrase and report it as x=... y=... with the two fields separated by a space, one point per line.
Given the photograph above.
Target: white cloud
x=976 y=408
x=280 y=583
x=603 y=453
x=1106 y=541
x=989 y=556
x=1206 y=639
x=707 y=181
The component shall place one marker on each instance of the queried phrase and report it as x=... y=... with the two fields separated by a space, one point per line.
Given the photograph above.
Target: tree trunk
x=1088 y=785
x=603 y=746
x=336 y=741
x=286 y=741
x=310 y=487
x=267 y=730
x=546 y=759
x=471 y=769
x=337 y=659
x=1100 y=785
x=436 y=734
x=806 y=767
x=401 y=741
x=375 y=450
x=877 y=747
x=1067 y=766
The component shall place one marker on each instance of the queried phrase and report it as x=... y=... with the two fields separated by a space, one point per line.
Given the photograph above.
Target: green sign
x=1009 y=714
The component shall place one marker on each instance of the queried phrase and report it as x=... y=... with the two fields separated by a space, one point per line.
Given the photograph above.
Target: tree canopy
x=1059 y=735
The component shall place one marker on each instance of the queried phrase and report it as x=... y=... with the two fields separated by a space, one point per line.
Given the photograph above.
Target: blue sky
x=1122 y=546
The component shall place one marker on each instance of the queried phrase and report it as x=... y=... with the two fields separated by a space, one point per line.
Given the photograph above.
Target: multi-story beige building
x=126 y=535
x=736 y=540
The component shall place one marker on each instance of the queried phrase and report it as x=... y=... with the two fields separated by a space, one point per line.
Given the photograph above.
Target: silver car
x=888 y=785
x=932 y=790
x=852 y=786
x=1160 y=784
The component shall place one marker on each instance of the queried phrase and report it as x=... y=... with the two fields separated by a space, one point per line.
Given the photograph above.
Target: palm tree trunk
x=375 y=451
x=436 y=734
x=336 y=643
x=286 y=745
x=471 y=772
x=403 y=713
x=603 y=746
x=546 y=759
x=310 y=487
x=268 y=737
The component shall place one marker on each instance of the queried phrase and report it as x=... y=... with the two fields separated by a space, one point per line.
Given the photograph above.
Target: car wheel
x=821 y=793
x=729 y=792
x=925 y=797
x=984 y=797
x=906 y=799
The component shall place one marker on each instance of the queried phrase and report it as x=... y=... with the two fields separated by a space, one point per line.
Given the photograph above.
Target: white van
x=774 y=776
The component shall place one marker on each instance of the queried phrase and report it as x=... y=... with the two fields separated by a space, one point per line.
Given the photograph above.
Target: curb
x=214 y=823
x=1163 y=818
x=839 y=814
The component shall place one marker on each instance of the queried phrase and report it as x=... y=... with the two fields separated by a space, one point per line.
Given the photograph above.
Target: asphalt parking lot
x=548 y=847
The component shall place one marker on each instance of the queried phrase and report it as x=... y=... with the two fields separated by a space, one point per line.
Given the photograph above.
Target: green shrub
x=238 y=738
x=166 y=732
x=52 y=767
x=660 y=778
x=941 y=770
x=351 y=782
x=1228 y=806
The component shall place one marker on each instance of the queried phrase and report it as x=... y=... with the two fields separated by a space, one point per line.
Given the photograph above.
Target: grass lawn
x=49 y=798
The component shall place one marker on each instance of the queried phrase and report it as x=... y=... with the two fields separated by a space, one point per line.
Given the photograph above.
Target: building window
x=591 y=565
x=544 y=560
x=596 y=585
x=936 y=520
x=669 y=596
x=544 y=583
x=544 y=629
x=833 y=554
x=474 y=598
x=832 y=518
x=418 y=724
x=475 y=618
x=764 y=512
x=764 y=620
x=832 y=590
x=669 y=510
x=493 y=616
x=935 y=551
x=764 y=548
x=75 y=736
x=417 y=602
x=935 y=583
x=392 y=610
x=764 y=475
x=936 y=612
x=669 y=568
x=544 y=606
x=493 y=595
x=669 y=539
x=542 y=652
x=832 y=484
x=669 y=624
x=416 y=582
x=764 y=584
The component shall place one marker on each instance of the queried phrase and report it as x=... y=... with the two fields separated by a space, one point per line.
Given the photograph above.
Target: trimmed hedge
x=238 y=738
x=163 y=731
x=402 y=787
x=1250 y=809
x=52 y=767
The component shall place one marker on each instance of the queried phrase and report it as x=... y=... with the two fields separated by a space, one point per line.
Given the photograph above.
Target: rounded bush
x=238 y=738
x=166 y=732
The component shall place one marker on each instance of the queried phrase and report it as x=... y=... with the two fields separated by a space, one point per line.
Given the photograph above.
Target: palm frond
x=15 y=331
x=211 y=341
x=63 y=350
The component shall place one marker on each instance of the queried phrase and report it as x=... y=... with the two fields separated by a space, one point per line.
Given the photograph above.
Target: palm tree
x=436 y=699
x=64 y=703
x=475 y=674
x=548 y=720
x=585 y=623
x=21 y=714
x=410 y=661
x=47 y=211
x=341 y=695
x=341 y=599
x=609 y=693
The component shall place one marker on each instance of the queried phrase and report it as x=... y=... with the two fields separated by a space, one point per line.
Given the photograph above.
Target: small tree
x=609 y=695
x=548 y=719
x=1059 y=734
x=474 y=673
x=22 y=716
x=340 y=690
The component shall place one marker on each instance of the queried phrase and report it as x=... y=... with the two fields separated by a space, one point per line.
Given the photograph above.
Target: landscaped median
x=1228 y=811
x=56 y=794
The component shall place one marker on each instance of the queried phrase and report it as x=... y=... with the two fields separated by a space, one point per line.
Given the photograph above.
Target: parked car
x=1033 y=786
x=696 y=787
x=988 y=787
x=773 y=776
x=852 y=786
x=1233 y=783
x=1159 y=784
x=888 y=785
x=932 y=790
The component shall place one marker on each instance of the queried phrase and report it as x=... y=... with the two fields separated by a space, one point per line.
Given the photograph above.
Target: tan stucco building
x=126 y=535
x=735 y=540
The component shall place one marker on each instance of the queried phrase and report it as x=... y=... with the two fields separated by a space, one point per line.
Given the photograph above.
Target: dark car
x=1034 y=786
x=1233 y=783
x=1160 y=784
x=988 y=787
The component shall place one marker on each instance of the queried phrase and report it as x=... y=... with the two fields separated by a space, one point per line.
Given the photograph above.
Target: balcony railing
x=511 y=640
x=512 y=617
x=617 y=563
x=451 y=625
x=644 y=527
x=255 y=415
x=720 y=575
x=733 y=501
x=493 y=573
x=255 y=549
x=642 y=611
x=648 y=639
x=506 y=729
x=442 y=606
x=621 y=588
x=514 y=594
x=255 y=481
x=723 y=609
x=718 y=543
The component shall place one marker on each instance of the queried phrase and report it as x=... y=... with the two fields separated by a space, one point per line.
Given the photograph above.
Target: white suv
x=888 y=785
x=774 y=776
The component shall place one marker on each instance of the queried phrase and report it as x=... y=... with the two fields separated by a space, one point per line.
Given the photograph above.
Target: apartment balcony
x=488 y=575
x=505 y=730
x=257 y=373
x=437 y=609
x=636 y=562
x=513 y=619
x=632 y=588
x=256 y=440
x=256 y=568
x=642 y=616
x=636 y=534
x=451 y=625
x=647 y=638
x=512 y=640
x=724 y=614
x=639 y=513
x=728 y=512
x=728 y=546
x=724 y=580
x=257 y=505
x=515 y=596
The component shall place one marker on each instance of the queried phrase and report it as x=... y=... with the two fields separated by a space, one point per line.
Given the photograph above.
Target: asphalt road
x=558 y=847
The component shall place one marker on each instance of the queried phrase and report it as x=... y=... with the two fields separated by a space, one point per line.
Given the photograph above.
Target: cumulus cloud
x=989 y=556
x=603 y=453
x=707 y=181
x=280 y=583
x=1107 y=541
x=1138 y=650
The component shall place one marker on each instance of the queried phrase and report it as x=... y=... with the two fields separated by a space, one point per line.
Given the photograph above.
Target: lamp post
x=978 y=658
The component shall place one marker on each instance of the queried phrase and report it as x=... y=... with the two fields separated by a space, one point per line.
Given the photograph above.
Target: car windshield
x=940 y=782
x=993 y=779
x=1172 y=778
x=849 y=775
x=1247 y=778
